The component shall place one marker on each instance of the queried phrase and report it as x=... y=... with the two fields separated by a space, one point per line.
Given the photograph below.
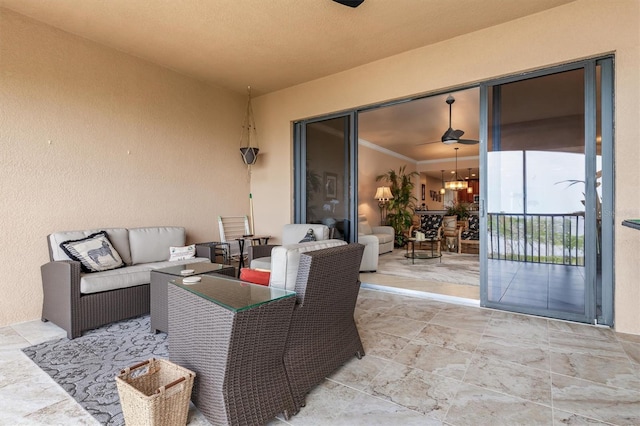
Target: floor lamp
x=383 y=195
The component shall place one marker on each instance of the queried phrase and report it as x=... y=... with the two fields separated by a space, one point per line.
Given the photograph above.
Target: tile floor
x=428 y=362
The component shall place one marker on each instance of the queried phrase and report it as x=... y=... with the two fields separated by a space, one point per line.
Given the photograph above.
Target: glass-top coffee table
x=423 y=254
x=232 y=334
x=158 y=287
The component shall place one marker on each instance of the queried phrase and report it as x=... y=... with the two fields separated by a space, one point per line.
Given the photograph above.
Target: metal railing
x=538 y=238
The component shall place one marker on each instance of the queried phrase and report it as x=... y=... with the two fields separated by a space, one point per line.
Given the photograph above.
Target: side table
x=213 y=249
x=232 y=335
x=423 y=255
x=255 y=240
x=158 y=288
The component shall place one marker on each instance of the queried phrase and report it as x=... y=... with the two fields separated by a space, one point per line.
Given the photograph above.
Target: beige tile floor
x=427 y=362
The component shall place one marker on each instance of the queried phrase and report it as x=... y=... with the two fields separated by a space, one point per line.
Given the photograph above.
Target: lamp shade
x=383 y=193
x=456 y=185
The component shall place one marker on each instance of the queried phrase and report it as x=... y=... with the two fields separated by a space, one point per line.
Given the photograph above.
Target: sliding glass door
x=325 y=167
x=543 y=199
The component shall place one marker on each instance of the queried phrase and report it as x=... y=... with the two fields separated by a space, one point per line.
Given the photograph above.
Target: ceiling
x=274 y=44
x=270 y=44
x=413 y=129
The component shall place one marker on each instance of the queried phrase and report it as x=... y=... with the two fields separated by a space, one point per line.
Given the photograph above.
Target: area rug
x=86 y=366
x=451 y=268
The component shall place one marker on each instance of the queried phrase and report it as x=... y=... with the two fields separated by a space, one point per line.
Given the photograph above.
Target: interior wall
x=433 y=185
x=567 y=33
x=373 y=163
x=95 y=138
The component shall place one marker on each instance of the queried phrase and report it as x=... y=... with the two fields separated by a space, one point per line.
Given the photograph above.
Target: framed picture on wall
x=476 y=199
x=330 y=186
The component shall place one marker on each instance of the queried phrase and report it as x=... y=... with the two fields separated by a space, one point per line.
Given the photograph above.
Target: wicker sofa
x=79 y=301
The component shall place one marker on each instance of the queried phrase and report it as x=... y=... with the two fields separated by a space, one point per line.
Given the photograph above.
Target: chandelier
x=456 y=183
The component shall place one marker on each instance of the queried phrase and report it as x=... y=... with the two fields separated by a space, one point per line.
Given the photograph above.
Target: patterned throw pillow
x=182 y=253
x=95 y=253
x=310 y=236
x=474 y=222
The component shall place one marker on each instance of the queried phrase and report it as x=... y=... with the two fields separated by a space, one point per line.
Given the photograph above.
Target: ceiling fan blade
x=468 y=141
x=427 y=143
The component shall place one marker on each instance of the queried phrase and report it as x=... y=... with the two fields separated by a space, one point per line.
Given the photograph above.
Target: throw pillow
x=310 y=236
x=95 y=253
x=182 y=253
x=255 y=276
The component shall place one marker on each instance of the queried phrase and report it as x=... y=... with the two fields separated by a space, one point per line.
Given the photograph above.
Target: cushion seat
x=261 y=263
x=128 y=276
x=384 y=238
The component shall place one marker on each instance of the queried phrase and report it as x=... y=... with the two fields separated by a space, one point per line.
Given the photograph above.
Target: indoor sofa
x=78 y=300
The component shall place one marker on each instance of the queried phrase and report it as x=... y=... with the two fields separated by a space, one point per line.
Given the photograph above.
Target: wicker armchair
x=323 y=334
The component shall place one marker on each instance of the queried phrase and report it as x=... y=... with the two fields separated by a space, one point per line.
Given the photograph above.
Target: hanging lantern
x=249 y=135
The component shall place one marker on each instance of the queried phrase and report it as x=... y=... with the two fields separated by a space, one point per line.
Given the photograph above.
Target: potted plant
x=460 y=210
x=401 y=206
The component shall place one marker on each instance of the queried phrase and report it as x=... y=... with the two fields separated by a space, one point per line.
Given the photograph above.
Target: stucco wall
x=585 y=28
x=90 y=138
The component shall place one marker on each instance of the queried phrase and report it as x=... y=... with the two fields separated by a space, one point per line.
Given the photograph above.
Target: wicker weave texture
x=146 y=401
x=65 y=306
x=238 y=357
x=323 y=334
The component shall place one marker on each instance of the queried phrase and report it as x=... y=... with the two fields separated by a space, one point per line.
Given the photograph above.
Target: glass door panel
x=326 y=147
x=536 y=203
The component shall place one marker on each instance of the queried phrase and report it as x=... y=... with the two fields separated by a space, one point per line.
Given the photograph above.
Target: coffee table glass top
x=232 y=294
x=198 y=268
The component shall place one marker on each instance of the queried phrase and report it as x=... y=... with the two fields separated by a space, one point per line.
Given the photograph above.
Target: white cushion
x=363 y=226
x=285 y=260
x=126 y=277
x=384 y=238
x=152 y=244
x=261 y=263
x=294 y=232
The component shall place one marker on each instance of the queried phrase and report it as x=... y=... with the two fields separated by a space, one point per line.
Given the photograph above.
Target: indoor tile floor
x=427 y=362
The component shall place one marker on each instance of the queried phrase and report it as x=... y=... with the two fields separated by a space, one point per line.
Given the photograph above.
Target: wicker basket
x=155 y=392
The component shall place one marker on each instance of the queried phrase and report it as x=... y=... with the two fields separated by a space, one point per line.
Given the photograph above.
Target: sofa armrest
x=256 y=252
x=383 y=230
x=61 y=291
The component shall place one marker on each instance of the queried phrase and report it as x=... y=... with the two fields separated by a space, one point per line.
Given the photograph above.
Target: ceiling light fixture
x=469 y=188
x=442 y=189
x=458 y=183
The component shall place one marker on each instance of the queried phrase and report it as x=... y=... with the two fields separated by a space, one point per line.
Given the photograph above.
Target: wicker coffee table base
x=237 y=357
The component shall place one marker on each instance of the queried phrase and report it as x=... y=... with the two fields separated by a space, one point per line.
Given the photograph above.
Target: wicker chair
x=323 y=334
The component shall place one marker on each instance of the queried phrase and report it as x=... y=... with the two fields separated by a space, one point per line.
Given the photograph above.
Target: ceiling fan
x=452 y=136
x=350 y=3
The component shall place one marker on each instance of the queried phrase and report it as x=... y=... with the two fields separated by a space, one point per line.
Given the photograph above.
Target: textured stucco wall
x=582 y=29
x=91 y=137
